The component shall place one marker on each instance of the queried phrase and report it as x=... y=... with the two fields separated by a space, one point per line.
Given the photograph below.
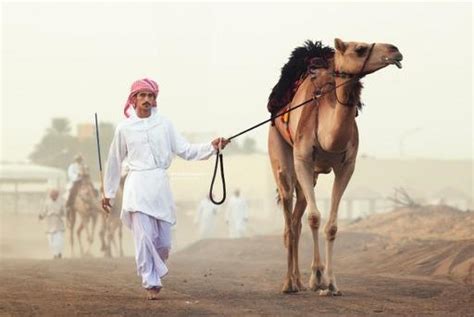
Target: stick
x=100 y=159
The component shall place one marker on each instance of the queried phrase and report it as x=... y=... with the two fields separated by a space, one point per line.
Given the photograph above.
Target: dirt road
x=229 y=277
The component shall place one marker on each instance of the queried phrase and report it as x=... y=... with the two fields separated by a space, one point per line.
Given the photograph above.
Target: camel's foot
x=332 y=290
x=107 y=253
x=318 y=280
x=152 y=293
x=300 y=285
x=289 y=286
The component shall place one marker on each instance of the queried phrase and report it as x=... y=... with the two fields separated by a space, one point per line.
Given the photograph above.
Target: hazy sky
x=217 y=63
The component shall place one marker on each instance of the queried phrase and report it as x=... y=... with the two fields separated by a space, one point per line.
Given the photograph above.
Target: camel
x=87 y=206
x=316 y=139
x=111 y=224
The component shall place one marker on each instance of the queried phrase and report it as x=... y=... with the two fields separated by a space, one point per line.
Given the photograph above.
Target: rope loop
x=219 y=159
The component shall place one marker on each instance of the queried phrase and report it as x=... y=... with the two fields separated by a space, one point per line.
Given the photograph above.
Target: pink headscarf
x=140 y=85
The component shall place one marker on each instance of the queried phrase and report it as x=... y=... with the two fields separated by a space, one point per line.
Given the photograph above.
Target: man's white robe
x=206 y=218
x=74 y=172
x=53 y=212
x=237 y=216
x=148 y=145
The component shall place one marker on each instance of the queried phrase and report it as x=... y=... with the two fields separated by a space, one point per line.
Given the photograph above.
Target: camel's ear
x=340 y=45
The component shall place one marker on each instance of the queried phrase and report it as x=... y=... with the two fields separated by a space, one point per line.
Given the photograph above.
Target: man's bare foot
x=152 y=293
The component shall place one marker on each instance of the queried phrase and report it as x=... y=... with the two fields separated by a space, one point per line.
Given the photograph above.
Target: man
x=75 y=173
x=149 y=142
x=53 y=212
x=206 y=217
x=237 y=215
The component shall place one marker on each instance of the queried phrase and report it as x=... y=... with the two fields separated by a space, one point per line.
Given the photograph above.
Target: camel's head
x=351 y=56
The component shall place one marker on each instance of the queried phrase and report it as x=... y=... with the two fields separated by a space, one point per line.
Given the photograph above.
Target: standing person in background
x=53 y=213
x=149 y=142
x=206 y=218
x=237 y=215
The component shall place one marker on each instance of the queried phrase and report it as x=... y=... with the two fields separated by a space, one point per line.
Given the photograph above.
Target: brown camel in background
x=87 y=206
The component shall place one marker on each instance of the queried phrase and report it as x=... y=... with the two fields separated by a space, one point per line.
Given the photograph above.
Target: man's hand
x=222 y=141
x=106 y=204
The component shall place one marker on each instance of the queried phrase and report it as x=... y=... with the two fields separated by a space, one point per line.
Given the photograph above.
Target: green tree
x=249 y=146
x=60 y=126
x=57 y=146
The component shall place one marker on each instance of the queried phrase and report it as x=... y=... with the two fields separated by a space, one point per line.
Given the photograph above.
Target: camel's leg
x=92 y=234
x=113 y=240
x=342 y=177
x=89 y=225
x=72 y=222
x=112 y=247
x=282 y=165
x=289 y=285
x=113 y=243
x=102 y=234
x=90 y=228
x=298 y=212
x=120 y=239
x=107 y=238
x=87 y=228
x=306 y=178
x=78 y=233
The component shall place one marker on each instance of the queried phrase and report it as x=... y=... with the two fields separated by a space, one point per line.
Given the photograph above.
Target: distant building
x=361 y=201
x=24 y=186
x=85 y=131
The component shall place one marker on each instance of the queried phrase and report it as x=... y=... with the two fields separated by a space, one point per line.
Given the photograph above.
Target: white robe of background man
x=149 y=145
x=74 y=172
x=237 y=216
x=52 y=213
x=206 y=218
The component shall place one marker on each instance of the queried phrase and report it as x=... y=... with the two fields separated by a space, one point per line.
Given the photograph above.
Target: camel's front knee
x=284 y=181
x=297 y=229
x=288 y=235
x=331 y=231
x=314 y=220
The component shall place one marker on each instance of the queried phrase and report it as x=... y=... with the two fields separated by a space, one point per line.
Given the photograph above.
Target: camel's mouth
x=396 y=61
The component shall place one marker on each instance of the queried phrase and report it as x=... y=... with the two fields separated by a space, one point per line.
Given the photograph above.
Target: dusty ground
x=408 y=262
x=234 y=277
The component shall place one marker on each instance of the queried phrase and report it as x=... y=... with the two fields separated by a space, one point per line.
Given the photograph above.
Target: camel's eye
x=361 y=50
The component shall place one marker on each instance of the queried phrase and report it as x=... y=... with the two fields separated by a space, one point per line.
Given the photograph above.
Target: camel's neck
x=337 y=122
x=347 y=99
